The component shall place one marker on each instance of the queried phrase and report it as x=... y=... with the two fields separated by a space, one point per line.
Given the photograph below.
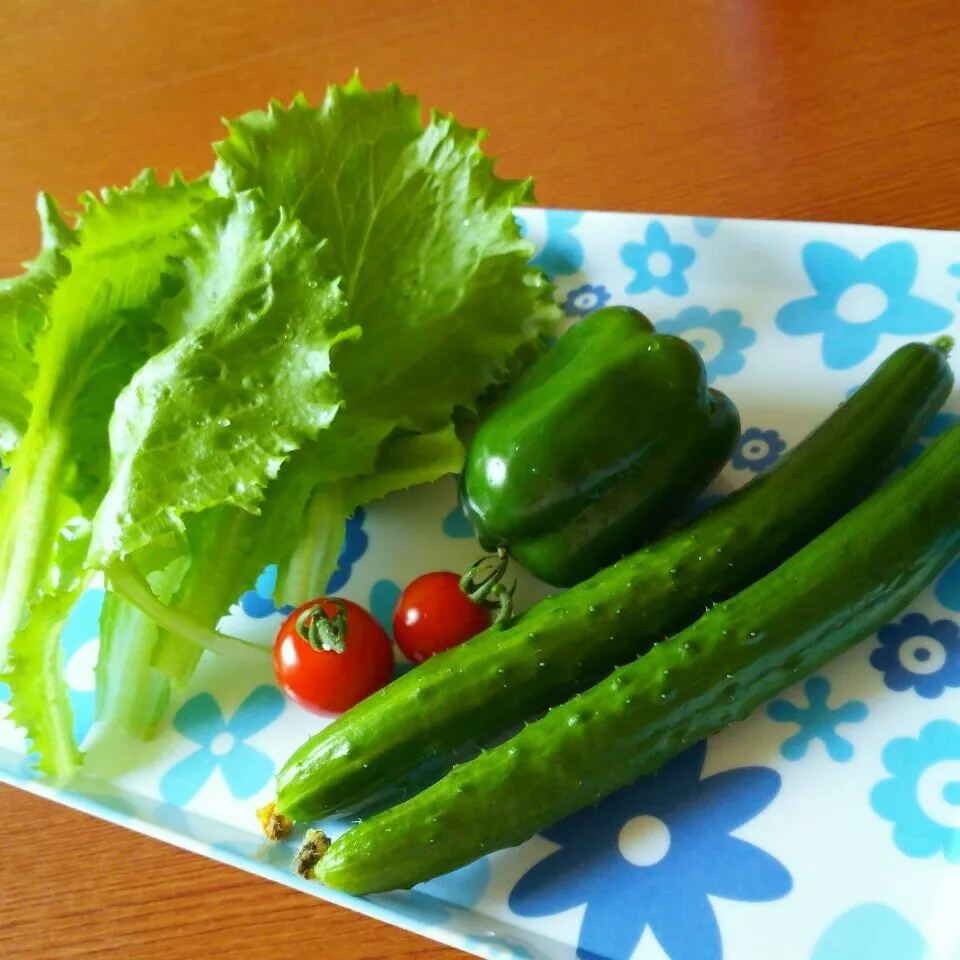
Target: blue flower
x=562 y=253
x=870 y=931
x=428 y=903
x=719 y=338
x=259 y=603
x=658 y=263
x=947 y=590
x=384 y=595
x=355 y=543
x=79 y=642
x=462 y=888
x=456 y=524
x=817 y=721
x=757 y=449
x=922 y=798
x=705 y=227
x=651 y=855
x=918 y=654
x=954 y=271
x=222 y=744
x=856 y=300
x=585 y=299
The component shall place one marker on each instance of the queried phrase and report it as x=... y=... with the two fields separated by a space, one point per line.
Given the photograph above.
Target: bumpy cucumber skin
x=832 y=594
x=439 y=713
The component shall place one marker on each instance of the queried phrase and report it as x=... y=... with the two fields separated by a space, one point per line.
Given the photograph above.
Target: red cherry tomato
x=434 y=614
x=327 y=681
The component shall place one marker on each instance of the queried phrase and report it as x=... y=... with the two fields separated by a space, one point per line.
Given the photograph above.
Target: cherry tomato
x=324 y=680
x=434 y=614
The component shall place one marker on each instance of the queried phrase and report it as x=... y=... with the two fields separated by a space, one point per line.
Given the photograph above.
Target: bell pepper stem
x=484 y=587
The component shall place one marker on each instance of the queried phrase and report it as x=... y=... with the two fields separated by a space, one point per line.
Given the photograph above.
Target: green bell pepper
x=602 y=442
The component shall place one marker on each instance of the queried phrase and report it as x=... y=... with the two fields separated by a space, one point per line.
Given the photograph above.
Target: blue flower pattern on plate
x=919 y=654
x=817 y=721
x=658 y=263
x=259 y=603
x=80 y=635
x=954 y=271
x=720 y=338
x=856 y=300
x=562 y=253
x=705 y=227
x=456 y=525
x=757 y=449
x=429 y=902
x=649 y=856
x=355 y=543
x=870 y=931
x=585 y=299
x=221 y=744
x=384 y=595
x=922 y=798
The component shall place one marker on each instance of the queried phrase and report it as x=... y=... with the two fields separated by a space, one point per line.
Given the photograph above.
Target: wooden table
x=716 y=107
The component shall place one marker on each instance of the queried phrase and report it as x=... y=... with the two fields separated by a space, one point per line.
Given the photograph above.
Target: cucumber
x=413 y=730
x=833 y=593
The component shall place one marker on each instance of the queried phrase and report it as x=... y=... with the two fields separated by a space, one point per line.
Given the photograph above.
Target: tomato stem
x=322 y=632
x=485 y=588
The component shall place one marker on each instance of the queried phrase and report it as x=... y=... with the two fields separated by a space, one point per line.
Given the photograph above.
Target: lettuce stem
x=127 y=580
x=306 y=575
x=28 y=526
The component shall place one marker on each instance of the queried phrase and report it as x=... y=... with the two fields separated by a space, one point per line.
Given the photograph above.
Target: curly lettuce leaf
x=99 y=328
x=22 y=316
x=294 y=348
x=246 y=380
x=436 y=275
x=39 y=703
x=436 y=272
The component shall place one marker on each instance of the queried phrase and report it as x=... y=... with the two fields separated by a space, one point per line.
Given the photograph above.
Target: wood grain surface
x=789 y=108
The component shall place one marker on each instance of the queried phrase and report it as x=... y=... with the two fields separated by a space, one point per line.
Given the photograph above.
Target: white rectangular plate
x=824 y=827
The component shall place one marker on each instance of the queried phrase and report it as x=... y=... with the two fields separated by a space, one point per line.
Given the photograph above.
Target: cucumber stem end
x=944 y=344
x=315 y=845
